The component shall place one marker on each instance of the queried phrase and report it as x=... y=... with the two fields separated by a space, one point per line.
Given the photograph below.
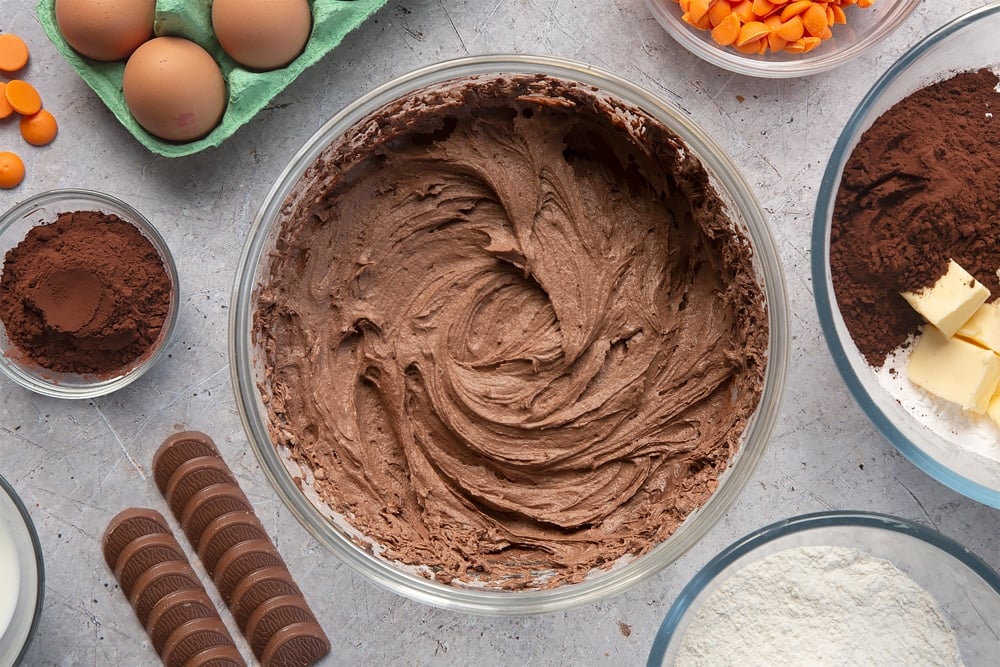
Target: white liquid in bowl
x=10 y=577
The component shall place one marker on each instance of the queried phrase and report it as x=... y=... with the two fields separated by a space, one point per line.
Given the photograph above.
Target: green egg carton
x=249 y=92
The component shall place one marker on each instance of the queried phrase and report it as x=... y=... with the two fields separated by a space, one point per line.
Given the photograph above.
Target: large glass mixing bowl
x=321 y=521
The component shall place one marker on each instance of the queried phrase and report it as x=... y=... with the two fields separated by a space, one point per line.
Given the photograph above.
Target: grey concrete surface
x=76 y=464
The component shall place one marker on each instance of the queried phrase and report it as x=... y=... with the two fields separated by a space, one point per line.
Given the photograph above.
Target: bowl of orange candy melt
x=780 y=38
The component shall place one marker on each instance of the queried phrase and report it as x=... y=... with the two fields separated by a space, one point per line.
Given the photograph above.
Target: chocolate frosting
x=511 y=330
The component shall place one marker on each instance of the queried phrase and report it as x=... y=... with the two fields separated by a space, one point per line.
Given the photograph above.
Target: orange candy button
x=40 y=128
x=13 y=53
x=5 y=108
x=23 y=97
x=11 y=170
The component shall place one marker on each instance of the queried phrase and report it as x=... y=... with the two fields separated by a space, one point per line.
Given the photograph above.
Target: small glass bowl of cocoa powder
x=911 y=184
x=88 y=294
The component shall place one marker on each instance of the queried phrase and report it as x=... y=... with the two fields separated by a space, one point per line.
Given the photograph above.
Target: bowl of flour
x=836 y=588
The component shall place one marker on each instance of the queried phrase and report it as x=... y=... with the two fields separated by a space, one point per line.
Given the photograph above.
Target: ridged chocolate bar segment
x=207 y=505
x=192 y=638
x=128 y=525
x=177 y=449
x=242 y=559
x=217 y=656
x=273 y=615
x=225 y=532
x=174 y=610
x=143 y=553
x=256 y=588
x=193 y=476
x=296 y=644
x=159 y=581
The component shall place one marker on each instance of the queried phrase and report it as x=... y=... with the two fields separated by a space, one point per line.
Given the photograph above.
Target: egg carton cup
x=248 y=91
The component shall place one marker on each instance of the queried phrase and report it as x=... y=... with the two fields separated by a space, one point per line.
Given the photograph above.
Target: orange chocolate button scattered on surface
x=40 y=128
x=6 y=109
x=11 y=170
x=13 y=52
x=23 y=97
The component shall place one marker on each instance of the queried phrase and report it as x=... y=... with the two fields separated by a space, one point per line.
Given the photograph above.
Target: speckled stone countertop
x=76 y=464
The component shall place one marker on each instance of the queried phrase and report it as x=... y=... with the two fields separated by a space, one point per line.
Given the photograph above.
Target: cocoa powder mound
x=86 y=294
x=921 y=187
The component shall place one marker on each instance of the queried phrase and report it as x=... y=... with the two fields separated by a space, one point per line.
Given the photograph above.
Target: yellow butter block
x=955 y=370
x=994 y=408
x=951 y=301
x=983 y=328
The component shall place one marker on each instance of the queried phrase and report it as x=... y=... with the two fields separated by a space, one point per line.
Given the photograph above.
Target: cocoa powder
x=921 y=187
x=85 y=294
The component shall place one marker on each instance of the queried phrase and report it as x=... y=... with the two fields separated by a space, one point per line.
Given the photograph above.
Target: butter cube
x=955 y=370
x=983 y=328
x=951 y=301
x=994 y=409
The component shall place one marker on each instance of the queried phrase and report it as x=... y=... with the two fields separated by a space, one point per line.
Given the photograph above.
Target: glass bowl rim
x=804 y=65
x=798 y=524
x=491 y=601
x=36 y=546
x=85 y=390
x=822 y=277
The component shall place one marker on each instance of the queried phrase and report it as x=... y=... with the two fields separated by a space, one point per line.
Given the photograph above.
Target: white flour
x=819 y=606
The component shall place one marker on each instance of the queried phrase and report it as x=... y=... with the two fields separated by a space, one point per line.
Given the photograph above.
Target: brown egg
x=105 y=29
x=174 y=89
x=262 y=34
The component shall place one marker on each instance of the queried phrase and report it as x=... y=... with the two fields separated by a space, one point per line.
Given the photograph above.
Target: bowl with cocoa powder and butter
x=88 y=294
x=905 y=259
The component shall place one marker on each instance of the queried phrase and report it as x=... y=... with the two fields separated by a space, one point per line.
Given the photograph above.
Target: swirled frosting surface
x=511 y=331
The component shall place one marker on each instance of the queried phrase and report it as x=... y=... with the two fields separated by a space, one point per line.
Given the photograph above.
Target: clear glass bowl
x=43 y=209
x=318 y=519
x=966 y=589
x=864 y=29
x=967 y=43
x=19 y=542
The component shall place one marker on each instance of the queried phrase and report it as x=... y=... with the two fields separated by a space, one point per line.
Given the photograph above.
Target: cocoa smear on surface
x=921 y=187
x=85 y=294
